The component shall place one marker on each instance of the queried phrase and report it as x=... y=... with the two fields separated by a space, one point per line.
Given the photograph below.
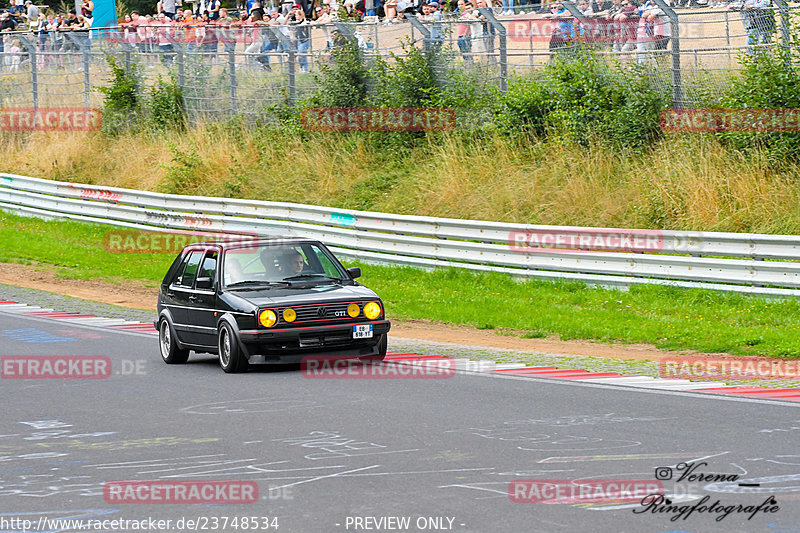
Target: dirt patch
x=139 y=296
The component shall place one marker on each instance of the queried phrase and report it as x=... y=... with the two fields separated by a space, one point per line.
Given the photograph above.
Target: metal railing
x=748 y=263
x=246 y=69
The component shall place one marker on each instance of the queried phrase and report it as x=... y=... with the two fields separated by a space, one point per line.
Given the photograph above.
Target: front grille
x=318 y=314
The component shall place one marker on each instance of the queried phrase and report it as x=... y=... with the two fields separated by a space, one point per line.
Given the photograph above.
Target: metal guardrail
x=749 y=263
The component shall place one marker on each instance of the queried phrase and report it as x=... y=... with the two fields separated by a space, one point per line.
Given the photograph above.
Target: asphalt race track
x=329 y=455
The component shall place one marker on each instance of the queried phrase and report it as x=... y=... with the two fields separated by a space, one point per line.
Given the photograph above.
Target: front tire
x=170 y=353
x=382 y=346
x=231 y=358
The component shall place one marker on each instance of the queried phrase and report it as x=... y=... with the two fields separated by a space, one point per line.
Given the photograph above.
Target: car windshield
x=270 y=264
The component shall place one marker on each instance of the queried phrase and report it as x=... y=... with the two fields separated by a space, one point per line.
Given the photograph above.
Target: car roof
x=244 y=243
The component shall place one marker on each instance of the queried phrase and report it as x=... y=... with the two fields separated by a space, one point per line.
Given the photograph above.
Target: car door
x=202 y=312
x=181 y=291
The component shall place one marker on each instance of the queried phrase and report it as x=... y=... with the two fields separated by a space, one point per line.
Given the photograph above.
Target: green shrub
x=167 y=108
x=123 y=96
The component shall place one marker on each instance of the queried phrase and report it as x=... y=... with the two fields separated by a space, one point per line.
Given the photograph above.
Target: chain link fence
x=245 y=70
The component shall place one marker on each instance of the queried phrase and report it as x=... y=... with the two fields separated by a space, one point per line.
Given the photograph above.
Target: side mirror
x=355 y=272
x=204 y=283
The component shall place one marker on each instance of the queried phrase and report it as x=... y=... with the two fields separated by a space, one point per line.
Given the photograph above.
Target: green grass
x=668 y=318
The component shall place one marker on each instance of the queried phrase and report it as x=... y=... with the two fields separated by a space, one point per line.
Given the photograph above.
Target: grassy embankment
x=683 y=183
x=667 y=318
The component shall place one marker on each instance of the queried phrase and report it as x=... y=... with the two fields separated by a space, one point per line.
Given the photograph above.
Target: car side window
x=190 y=272
x=209 y=268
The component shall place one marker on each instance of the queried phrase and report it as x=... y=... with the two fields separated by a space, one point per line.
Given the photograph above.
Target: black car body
x=266 y=301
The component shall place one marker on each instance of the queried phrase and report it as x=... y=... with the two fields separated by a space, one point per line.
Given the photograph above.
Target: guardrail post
x=677 y=90
x=501 y=32
x=30 y=46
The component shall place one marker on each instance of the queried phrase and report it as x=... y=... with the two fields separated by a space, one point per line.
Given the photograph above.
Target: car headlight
x=289 y=315
x=372 y=310
x=267 y=318
x=353 y=310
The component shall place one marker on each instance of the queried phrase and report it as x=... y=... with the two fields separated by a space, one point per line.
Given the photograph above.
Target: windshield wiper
x=254 y=284
x=324 y=277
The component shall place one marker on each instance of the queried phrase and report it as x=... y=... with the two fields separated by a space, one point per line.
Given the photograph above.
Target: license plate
x=362 y=332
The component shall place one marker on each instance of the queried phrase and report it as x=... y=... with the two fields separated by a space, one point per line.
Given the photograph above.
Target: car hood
x=328 y=292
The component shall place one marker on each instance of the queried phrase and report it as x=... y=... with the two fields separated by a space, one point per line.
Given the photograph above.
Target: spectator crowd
x=625 y=26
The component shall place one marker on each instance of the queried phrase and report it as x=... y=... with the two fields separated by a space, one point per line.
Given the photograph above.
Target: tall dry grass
x=689 y=183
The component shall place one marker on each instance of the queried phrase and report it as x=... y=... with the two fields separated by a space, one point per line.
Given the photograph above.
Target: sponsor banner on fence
x=698 y=120
x=332 y=367
x=566 y=240
x=146 y=242
x=729 y=368
x=50 y=119
x=378 y=119
x=180 y=492
x=582 y=491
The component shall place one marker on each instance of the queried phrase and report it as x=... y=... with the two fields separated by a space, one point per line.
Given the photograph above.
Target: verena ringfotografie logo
x=729 y=368
x=731 y=120
x=332 y=367
x=582 y=491
x=377 y=119
x=55 y=367
x=145 y=242
x=180 y=492
x=566 y=240
x=50 y=119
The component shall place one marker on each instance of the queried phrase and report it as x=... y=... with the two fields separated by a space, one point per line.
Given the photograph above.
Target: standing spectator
x=32 y=15
x=225 y=31
x=626 y=23
x=167 y=7
x=164 y=38
x=324 y=19
x=463 y=30
x=758 y=21
x=17 y=11
x=7 y=24
x=564 y=32
x=87 y=11
x=213 y=9
x=257 y=12
x=430 y=13
x=297 y=18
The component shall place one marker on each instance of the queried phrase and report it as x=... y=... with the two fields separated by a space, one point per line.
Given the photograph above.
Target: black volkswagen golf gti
x=266 y=301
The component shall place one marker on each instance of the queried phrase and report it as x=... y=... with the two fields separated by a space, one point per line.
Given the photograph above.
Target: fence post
x=677 y=90
x=232 y=78
x=85 y=60
x=426 y=33
x=501 y=32
x=786 y=37
x=30 y=45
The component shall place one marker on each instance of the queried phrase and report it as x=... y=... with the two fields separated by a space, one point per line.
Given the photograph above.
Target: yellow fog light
x=267 y=318
x=353 y=310
x=289 y=315
x=372 y=310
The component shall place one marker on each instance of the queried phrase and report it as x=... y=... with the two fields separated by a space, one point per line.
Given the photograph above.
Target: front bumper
x=292 y=344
